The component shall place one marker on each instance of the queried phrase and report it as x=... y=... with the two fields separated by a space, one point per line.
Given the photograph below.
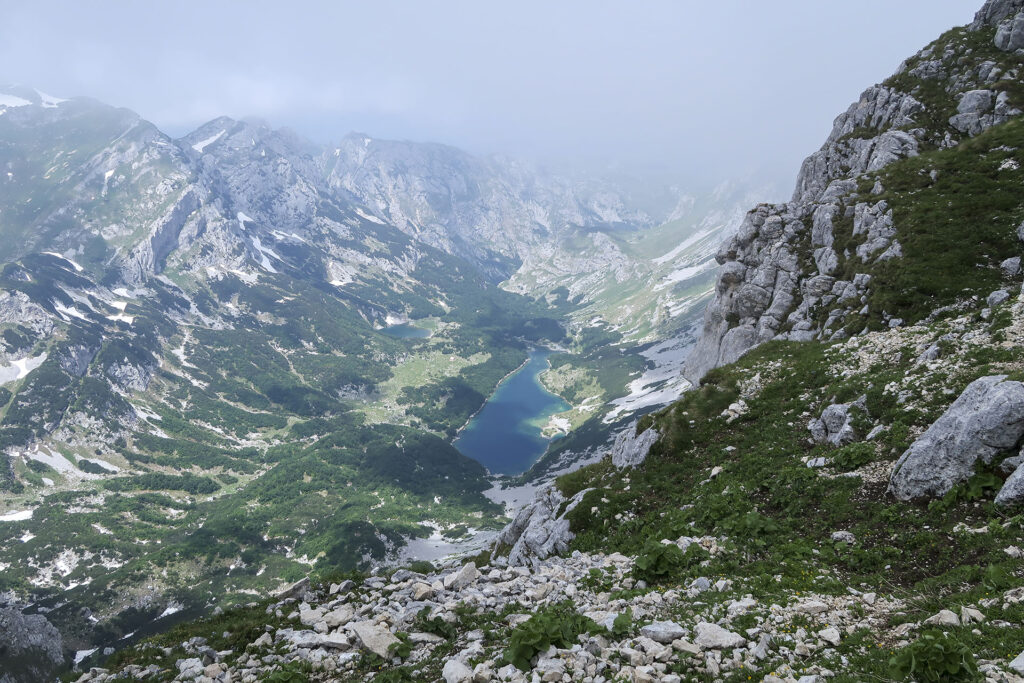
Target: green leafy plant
x=294 y=672
x=403 y=648
x=658 y=561
x=557 y=625
x=753 y=526
x=981 y=485
x=934 y=657
x=437 y=625
x=399 y=675
x=623 y=624
x=853 y=455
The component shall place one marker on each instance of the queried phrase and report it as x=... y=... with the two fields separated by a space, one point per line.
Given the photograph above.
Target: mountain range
x=203 y=392
x=793 y=452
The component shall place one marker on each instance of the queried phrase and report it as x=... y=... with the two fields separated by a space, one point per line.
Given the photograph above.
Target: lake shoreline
x=483 y=405
x=506 y=434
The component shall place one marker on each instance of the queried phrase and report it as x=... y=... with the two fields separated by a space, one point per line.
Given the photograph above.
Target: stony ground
x=455 y=625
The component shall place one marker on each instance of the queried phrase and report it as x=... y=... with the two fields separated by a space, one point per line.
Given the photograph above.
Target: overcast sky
x=704 y=89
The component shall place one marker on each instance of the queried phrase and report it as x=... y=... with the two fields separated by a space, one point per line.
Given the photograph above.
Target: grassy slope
x=780 y=513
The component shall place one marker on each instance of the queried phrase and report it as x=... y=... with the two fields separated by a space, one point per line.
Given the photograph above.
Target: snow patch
x=247 y=278
x=683 y=246
x=20 y=368
x=264 y=252
x=53 y=459
x=203 y=144
x=172 y=608
x=80 y=655
x=660 y=385
x=49 y=101
x=12 y=101
x=77 y=267
x=122 y=317
x=372 y=219
x=684 y=274
x=66 y=311
x=17 y=516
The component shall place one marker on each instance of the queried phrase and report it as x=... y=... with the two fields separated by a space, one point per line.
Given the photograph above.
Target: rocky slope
x=807 y=269
x=838 y=499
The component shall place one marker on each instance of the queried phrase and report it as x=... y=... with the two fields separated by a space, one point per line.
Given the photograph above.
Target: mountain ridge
x=836 y=498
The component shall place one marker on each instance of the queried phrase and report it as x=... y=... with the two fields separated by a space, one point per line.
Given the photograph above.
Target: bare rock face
x=540 y=529
x=630 y=449
x=987 y=419
x=32 y=647
x=995 y=11
x=768 y=288
x=1012 y=493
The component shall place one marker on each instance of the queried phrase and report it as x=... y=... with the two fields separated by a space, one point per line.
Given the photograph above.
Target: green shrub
x=623 y=624
x=438 y=626
x=293 y=672
x=934 y=657
x=659 y=561
x=557 y=625
x=853 y=455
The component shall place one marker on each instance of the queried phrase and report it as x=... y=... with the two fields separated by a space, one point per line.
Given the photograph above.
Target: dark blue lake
x=505 y=436
x=406 y=331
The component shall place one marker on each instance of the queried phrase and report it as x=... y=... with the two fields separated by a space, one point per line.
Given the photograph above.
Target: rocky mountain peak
x=995 y=11
x=785 y=275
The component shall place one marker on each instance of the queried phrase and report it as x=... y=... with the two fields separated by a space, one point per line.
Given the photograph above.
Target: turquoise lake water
x=406 y=331
x=505 y=435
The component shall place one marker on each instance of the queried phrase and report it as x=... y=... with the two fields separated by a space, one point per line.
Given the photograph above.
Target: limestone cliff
x=783 y=274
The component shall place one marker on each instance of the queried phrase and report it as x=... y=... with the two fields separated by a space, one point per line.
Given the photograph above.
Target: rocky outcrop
x=148 y=257
x=986 y=420
x=16 y=308
x=1012 y=493
x=31 y=647
x=835 y=426
x=629 y=448
x=979 y=110
x=778 y=276
x=494 y=212
x=994 y=12
x=540 y=529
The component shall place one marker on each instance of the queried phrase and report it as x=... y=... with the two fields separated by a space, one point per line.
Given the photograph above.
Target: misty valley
x=277 y=408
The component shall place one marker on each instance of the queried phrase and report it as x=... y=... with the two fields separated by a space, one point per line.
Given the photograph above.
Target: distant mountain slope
x=199 y=395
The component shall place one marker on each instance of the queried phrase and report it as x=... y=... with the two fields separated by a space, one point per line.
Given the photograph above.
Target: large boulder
x=462 y=578
x=836 y=423
x=30 y=647
x=1012 y=493
x=714 y=637
x=630 y=449
x=540 y=529
x=374 y=638
x=987 y=419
